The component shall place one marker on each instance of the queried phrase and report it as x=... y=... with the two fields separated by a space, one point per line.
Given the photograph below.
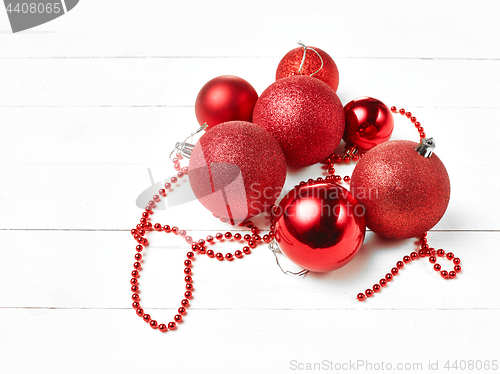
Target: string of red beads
x=412 y=118
x=424 y=251
x=197 y=247
x=330 y=163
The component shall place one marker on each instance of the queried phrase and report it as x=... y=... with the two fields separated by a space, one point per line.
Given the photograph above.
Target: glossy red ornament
x=368 y=122
x=291 y=63
x=306 y=117
x=319 y=226
x=225 y=98
x=405 y=194
x=237 y=170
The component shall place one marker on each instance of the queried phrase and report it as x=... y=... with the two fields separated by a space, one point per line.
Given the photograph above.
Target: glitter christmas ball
x=404 y=193
x=237 y=170
x=291 y=63
x=319 y=226
x=225 y=98
x=306 y=117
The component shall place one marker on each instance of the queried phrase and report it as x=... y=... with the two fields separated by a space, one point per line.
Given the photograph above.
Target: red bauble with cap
x=403 y=186
x=237 y=170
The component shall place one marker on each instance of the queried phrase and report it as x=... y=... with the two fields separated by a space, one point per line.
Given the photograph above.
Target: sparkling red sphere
x=404 y=194
x=368 y=122
x=305 y=115
x=225 y=98
x=319 y=226
x=291 y=62
x=237 y=170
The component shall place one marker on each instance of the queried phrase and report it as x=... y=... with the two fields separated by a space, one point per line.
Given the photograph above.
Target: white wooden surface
x=91 y=100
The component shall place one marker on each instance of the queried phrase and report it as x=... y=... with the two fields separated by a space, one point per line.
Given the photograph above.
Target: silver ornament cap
x=426 y=147
x=184 y=148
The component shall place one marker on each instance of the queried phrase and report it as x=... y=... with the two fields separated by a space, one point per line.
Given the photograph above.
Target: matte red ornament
x=319 y=226
x=225 y=98
x=404 y=193
x=237 y=170
x=368 y=122
x=291 y=63
x=306 y=117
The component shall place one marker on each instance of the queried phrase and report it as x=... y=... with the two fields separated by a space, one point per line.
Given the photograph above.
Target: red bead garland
x=424 y=251
x=413 y=120
x=196 y=247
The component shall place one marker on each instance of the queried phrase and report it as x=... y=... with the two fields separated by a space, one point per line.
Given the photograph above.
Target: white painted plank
x=243 y=341
x=87 y=269
x=415 y=29
x=176 y=82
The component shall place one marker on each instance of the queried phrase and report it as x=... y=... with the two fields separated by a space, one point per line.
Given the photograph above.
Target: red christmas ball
x=319 y=226
x=404 y=193
x=306 y=117
x=368 y=122
x=225 y=98
x=316 y=63
x=237 y=170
